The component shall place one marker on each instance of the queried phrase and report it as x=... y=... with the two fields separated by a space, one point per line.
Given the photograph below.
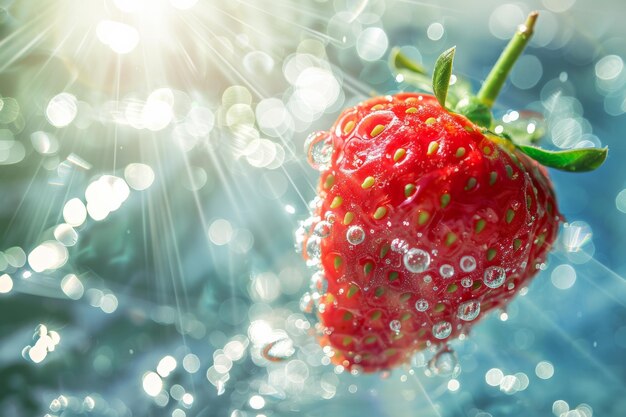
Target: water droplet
x=306 y=303
x=416 y=260
x=428 y=279
x=399 y=246
x=467 y=282
x=446 y=271
x=469 y=310
x=313 y=250
x=467 y=264
x=330 y=217
x=442 y=329
x=278 y=350
x=445 y=363
x=395 y=326
x=355 y=235
x=494 y=276
x=322 y=229
x=319 y=284
x=319 y=149
x=421 y=305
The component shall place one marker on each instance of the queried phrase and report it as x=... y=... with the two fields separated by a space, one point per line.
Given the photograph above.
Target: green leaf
x=442 y=74
x=475 y=110
x=572 y=160
x=400 y=62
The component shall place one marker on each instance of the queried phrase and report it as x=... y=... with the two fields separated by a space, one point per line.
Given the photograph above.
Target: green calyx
x=457 y=97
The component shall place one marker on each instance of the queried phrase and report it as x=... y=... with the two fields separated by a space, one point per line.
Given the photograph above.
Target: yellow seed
x=399 y=154
x=491 y=253
x=432 y=147
x=493 y=176
x=384 y=249
x=411 y=110
x=380 y=213
x=347 y=340
x=460 y=152
x=347 y=316
x=377 y=130
x=510 y=214
x=337 y=201
x=471 y=183
x=377 y=107
x=487 y=150
x=405 y=316
x=450 y=238
x=352 y=290
x=409 y=189
x=452 y=288
x=439 y=307
x=368 y=182
x=330 y=180
x=517 y=243
x=337 y=262
x=367 y=268
x=369 y=340
x=423 y=217
x=349 y=127
x=430 y=120
x=347 y=219
x=480 y=225
x=445 y=200
x=379 y=292
x=393 y=275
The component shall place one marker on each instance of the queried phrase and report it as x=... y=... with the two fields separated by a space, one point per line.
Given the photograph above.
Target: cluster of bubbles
x=92 y=404
x=508 y=384
x=560 y=408
x=154 y=383
x=218 y=373
x=45 y=342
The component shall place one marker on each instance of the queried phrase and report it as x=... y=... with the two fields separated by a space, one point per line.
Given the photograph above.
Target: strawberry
x=424 y=222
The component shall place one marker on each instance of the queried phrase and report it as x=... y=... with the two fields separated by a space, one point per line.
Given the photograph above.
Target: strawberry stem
x=495 y=80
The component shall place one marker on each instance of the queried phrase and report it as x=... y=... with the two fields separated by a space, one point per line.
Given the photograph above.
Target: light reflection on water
x=152 y=177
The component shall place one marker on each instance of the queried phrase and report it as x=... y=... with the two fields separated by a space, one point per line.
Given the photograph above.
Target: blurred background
x=152 y=175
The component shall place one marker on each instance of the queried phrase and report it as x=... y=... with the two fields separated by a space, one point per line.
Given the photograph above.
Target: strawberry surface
x=423 y=224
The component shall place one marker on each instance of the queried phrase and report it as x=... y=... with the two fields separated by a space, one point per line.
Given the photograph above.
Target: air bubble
x=355 y=235
x=469 y=310
x=416 y=260
x=395 y=326
x=446 y=271
x=322 y=229
x=494 y=276
x=319 y=149
x=306 y=303
x=399 y=246
x=442 y=329
x=313 y=250
x=467 y=264
x=319 y=284
x=421 y=305
x=445 y=363
x=467 y=282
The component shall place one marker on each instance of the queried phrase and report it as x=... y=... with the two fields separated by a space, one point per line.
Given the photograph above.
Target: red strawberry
x=424 y=223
